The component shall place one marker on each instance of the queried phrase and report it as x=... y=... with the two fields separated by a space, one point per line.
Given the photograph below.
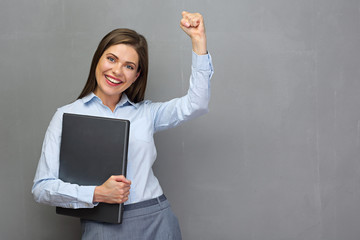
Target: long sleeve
x=194 y=103
x=48 y=188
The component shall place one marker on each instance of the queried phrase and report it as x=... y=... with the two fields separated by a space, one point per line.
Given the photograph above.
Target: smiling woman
x=115 y=88
x=115 y=72
x=131 y=39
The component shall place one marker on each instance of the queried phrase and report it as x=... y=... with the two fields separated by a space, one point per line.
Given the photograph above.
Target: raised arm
x=195 y=103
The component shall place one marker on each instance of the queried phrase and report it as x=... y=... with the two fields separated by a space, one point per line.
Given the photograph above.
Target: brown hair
x=129 y=37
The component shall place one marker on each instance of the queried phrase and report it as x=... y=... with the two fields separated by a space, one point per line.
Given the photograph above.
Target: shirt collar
x=123 y=101
x=126 y=101
x=89 y=97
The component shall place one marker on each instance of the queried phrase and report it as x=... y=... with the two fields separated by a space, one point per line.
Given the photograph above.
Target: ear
x=137 y=75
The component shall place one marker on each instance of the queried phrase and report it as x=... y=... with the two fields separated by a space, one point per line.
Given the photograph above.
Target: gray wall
x=277 y=157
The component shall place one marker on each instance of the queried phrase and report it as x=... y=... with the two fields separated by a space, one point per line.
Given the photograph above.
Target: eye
x=111 y=59
x=130 y=67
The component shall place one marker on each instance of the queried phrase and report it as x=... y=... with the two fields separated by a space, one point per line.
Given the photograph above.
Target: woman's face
x=116 y=71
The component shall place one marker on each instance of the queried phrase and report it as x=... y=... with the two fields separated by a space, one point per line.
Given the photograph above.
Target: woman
x=115 y=88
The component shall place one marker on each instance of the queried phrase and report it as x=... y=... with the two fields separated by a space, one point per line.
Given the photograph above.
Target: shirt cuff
x=86 y=196
x=202 y=62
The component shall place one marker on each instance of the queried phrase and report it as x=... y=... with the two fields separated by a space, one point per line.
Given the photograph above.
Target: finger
x=187 y=19
x=194 y=22
x=184 y=13
x=124 y=187
x=185 y=23
x=124 y=191
x=121 y=178
x=194 y=19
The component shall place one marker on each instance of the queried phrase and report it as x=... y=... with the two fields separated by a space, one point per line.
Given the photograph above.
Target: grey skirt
x=156 y=222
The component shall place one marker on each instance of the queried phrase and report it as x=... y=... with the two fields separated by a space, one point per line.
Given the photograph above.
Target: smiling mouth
x=112 y=80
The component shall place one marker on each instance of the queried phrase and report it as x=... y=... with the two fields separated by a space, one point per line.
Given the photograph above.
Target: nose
x=117 y=69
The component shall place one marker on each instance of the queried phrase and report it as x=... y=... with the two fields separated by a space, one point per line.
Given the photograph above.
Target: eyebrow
x=128 y=62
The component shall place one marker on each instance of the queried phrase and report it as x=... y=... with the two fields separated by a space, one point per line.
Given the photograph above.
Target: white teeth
x=112 y=80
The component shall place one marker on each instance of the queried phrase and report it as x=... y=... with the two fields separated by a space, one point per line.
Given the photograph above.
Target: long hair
x=136 y=91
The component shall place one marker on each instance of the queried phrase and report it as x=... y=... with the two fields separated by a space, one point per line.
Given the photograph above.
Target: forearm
x=55 y=192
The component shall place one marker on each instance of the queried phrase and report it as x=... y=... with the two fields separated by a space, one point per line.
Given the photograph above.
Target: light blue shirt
x=145 y=118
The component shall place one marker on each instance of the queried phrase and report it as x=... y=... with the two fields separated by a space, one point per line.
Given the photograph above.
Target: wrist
x=199 y=46
x=97 y=195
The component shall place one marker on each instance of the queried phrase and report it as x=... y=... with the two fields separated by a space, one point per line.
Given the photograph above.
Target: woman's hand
x=193 y=25
x=115 y=190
